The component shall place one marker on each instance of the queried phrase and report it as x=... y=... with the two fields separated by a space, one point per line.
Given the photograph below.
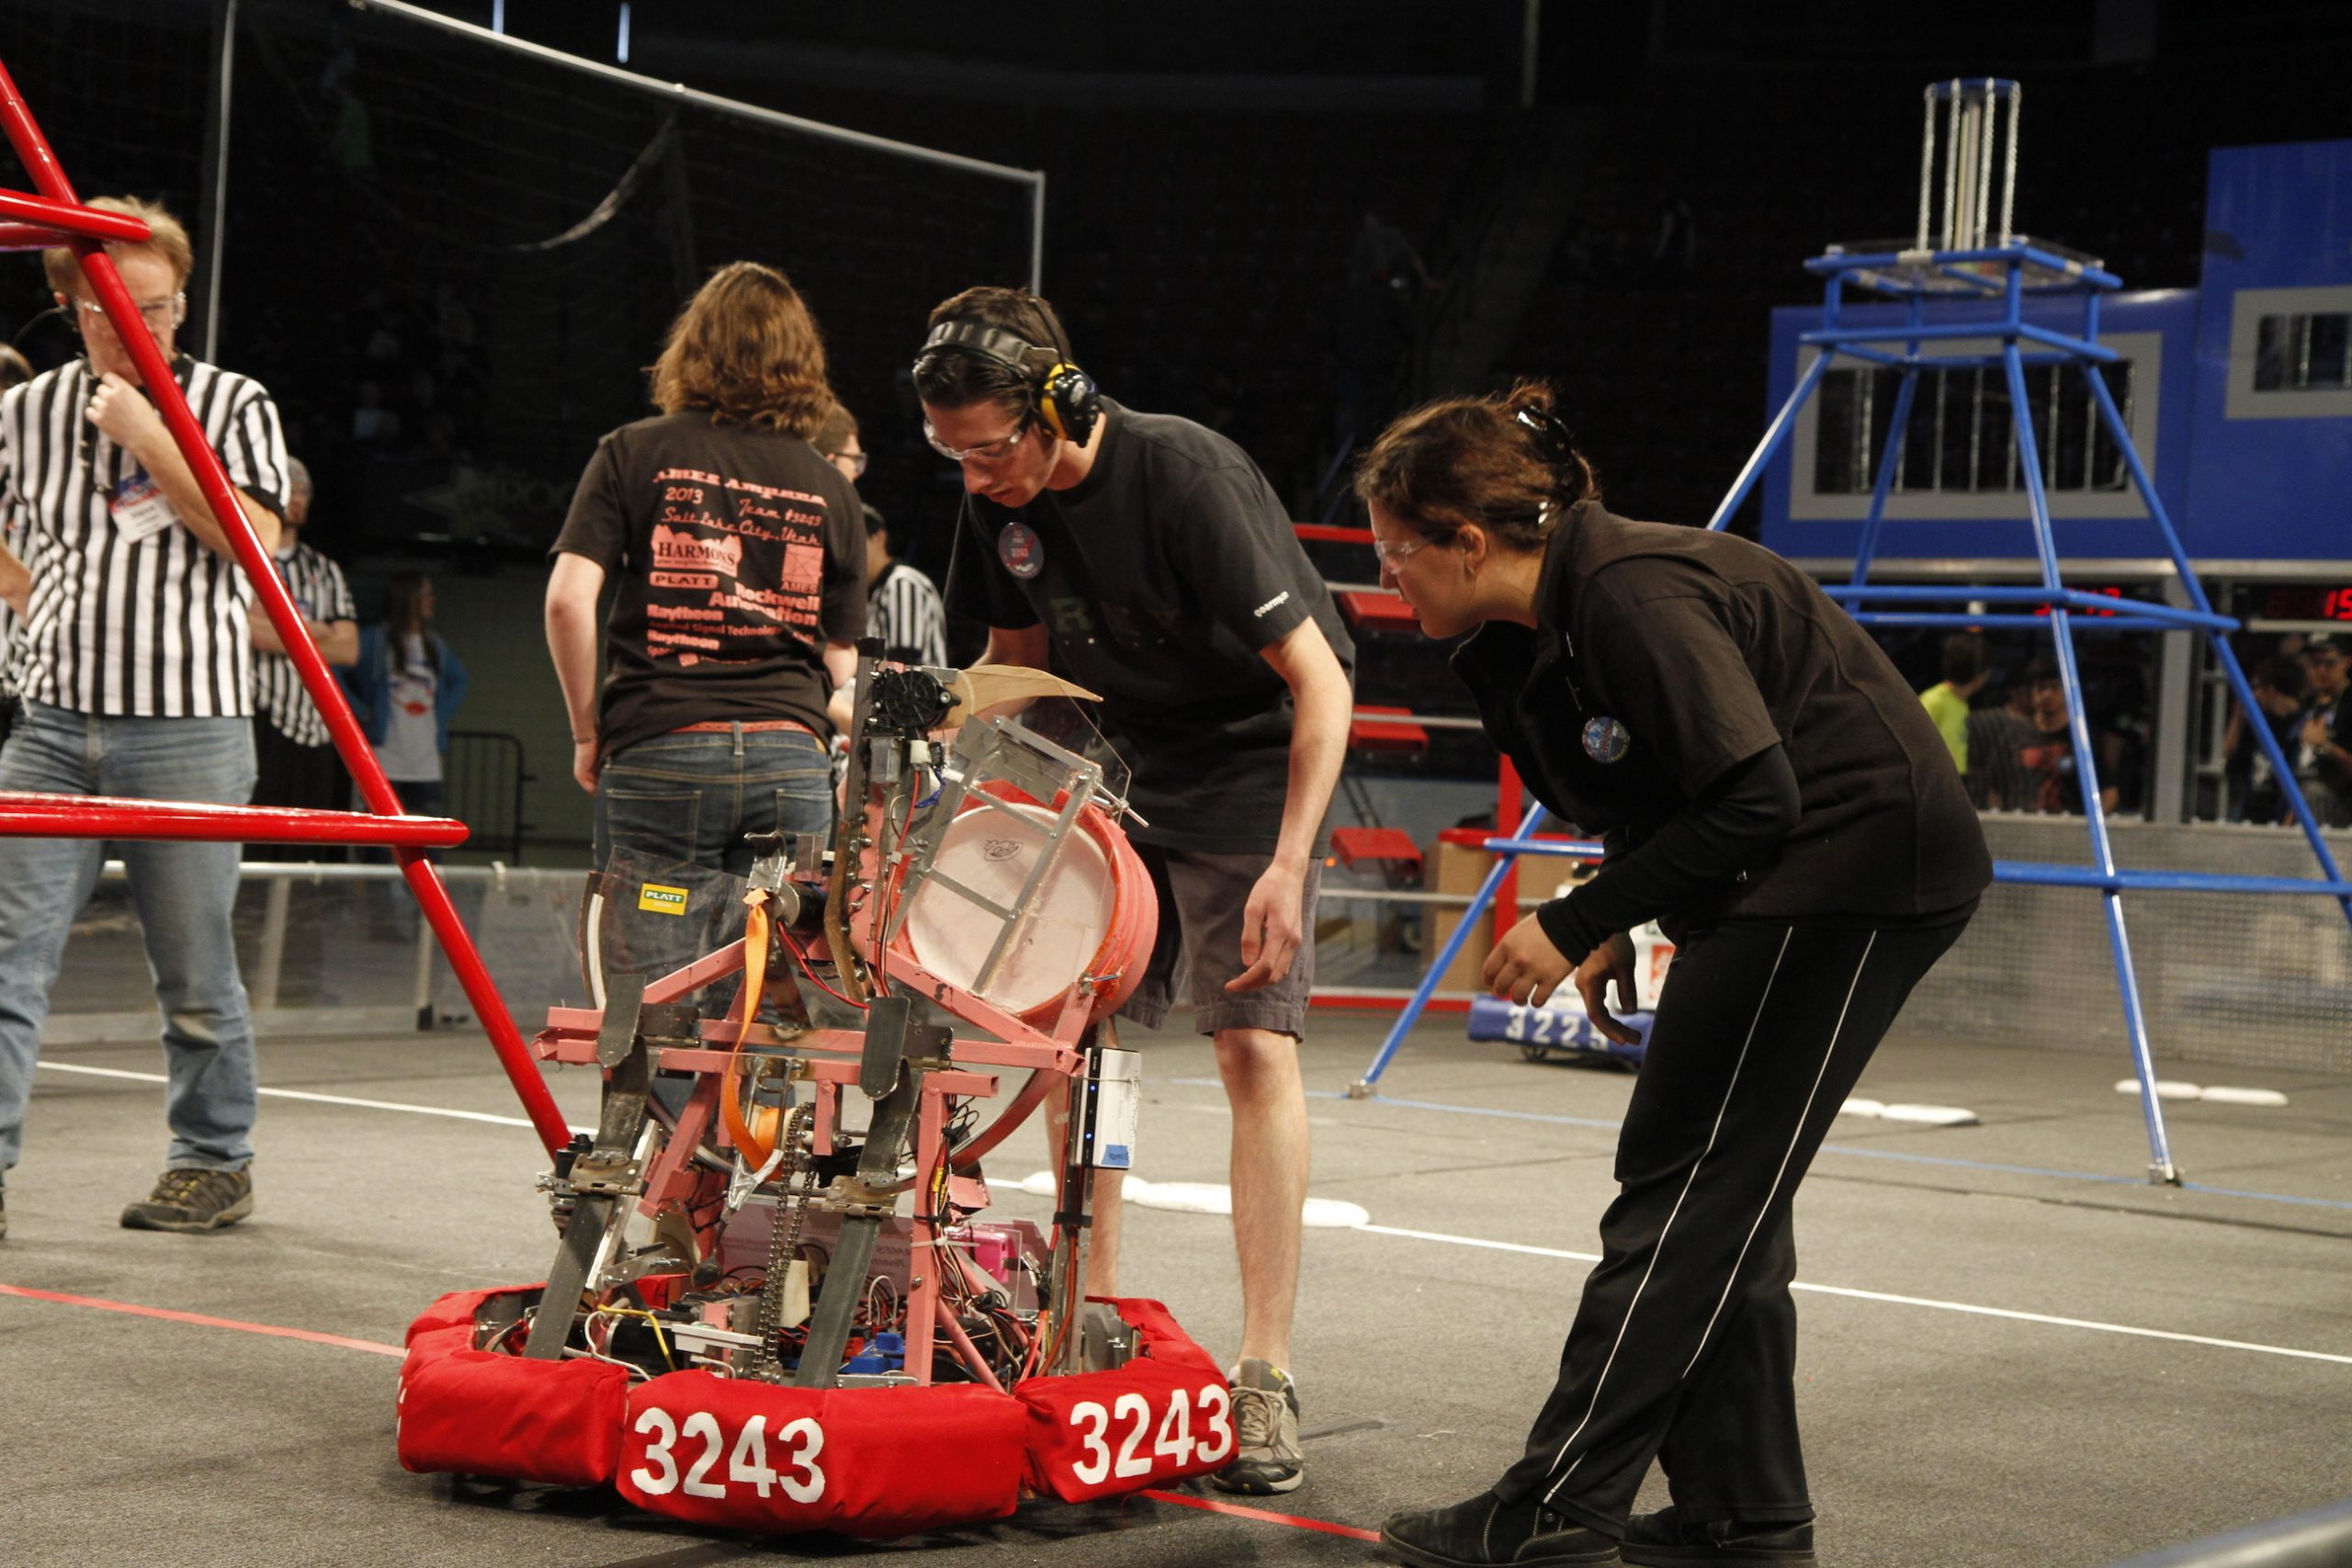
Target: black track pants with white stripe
x=1684 y=1346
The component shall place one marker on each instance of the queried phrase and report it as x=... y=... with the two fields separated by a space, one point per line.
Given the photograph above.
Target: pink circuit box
x=998 y=1246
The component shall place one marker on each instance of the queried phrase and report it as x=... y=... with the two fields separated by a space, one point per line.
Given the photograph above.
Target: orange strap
x=755 y=1149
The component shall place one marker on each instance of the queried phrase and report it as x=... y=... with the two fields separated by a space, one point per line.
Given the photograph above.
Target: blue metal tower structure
x=1978 y=277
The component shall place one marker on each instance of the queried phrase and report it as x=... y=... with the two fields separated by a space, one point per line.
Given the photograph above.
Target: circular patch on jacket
x=1606 y=739
x=1021 y=551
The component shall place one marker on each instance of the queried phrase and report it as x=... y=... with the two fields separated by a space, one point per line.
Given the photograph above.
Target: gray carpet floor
x=2016 y=1350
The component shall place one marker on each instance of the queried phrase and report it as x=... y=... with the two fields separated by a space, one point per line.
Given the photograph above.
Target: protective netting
x=453 y=261
x=531 y=228
x=2250 y=980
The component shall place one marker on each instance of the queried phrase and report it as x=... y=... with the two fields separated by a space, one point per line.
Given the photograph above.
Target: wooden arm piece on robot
x=986 y=685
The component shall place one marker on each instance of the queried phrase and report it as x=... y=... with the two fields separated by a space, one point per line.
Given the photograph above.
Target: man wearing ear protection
x=1146 y=558
x=136 y=667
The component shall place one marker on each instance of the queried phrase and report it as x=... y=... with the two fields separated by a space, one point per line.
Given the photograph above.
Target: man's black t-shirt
x=1664 y=656
x=1158 y=577
x=738 y=554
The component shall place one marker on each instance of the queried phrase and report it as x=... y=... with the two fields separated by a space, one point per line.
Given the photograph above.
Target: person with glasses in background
x=738 y=555
x=1147 y=559
x=137 y=673
x=836 y=442
x=901 y=604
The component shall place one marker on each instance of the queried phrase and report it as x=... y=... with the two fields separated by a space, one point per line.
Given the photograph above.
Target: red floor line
x=204 y=1321
x=1263 y=1515
x=201 y=1319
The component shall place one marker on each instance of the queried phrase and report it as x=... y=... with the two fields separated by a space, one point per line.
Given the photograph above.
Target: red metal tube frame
x=28 y=816
x=29 y=237
x=69 y=220
x=1331 y=533
x=63 y=209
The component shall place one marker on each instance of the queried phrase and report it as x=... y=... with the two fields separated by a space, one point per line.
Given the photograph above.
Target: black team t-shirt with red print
x=736 y=554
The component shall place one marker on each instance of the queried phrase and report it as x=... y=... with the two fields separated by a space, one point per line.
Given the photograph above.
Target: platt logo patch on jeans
x=656 y=899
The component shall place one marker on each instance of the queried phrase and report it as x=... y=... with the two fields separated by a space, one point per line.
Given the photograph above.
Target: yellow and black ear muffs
x=1063 y=395
x=1067 y=402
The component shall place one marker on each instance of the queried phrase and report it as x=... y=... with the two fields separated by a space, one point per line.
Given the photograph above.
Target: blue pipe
x=1962 y=620
x=1446 y=954
x=1571 y=849
x=1963 y=276
x=1781 y=424
x=1893 y=361
x=1897 y=426
x=2073 y=347
x=2080 y=276
x=2072 y=598
x=2040 y=873
x=2195 y=588
x=2063 y=346
x=2135 y=1023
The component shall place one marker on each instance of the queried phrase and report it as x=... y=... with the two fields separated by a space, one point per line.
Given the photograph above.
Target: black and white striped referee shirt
x=902 y=608
x=152 y=627
x=17 y=539
x=319 y=592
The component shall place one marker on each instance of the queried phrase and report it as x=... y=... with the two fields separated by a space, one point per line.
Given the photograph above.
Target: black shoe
x=193 y=1201
x=1666 y=1540
x=4 y=1216
x=1486 y=1530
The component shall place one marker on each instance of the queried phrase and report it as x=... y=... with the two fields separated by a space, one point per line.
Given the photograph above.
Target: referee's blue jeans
x=185 y=895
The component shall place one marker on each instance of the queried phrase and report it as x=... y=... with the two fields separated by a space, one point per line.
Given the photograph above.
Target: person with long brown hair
x=1770 y=789
x=738 y=555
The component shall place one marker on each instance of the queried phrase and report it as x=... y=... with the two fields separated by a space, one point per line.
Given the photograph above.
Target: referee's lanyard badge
x=140 y=508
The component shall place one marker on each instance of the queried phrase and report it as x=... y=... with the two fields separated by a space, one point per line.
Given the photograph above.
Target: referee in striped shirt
x=295 y=757
x=902 y=607
x=137 y=673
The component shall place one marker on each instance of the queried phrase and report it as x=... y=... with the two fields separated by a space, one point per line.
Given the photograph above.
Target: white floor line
x=1967 y=1307
x=496 y=1120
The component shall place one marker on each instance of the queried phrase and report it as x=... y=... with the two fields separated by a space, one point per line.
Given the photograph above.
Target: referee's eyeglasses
x=986 y=452
x=158 y=313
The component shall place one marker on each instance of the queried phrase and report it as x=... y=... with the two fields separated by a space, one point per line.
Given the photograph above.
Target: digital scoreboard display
x=2307 y=602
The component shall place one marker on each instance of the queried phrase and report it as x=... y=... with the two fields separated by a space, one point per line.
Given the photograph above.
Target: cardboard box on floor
x=1459 y=866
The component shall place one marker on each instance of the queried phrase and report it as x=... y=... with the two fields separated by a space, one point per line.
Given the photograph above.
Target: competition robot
x=774 y=1304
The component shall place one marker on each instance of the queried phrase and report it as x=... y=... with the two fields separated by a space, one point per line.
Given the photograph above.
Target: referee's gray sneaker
x=1266 y=1457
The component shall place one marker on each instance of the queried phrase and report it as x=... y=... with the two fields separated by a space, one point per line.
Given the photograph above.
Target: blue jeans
x=690 y=796
x=185 y=895
x=684 y=800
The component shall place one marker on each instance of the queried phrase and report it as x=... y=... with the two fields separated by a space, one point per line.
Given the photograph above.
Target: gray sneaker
x=193 y=1201
x=1266 y=1457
